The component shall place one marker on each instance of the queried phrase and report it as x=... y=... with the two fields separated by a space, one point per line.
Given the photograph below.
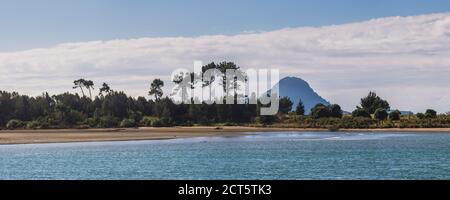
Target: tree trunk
x=82 y=91
x=90 y=94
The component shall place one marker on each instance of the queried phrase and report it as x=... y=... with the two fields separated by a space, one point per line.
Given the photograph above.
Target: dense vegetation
x=111 y=109
x=114 y=109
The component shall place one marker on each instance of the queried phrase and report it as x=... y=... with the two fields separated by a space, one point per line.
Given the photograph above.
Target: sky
x=28 y=24
x=343 y=48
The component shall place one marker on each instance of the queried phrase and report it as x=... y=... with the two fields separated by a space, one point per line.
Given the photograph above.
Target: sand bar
x=95 y=135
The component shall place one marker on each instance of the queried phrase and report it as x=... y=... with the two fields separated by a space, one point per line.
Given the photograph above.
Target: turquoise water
x=256 y=156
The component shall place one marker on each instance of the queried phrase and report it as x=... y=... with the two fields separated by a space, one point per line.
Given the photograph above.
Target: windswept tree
x=90 y=86
x=372 y=102
x=156 y=89
x=80 y=83
x=228 y=85
x=300 y=109
x=104 y=89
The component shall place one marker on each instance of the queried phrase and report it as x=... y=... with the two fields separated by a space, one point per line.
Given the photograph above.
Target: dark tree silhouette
x=360 y=112
x=372 y=102
x=335 y=111
x=320 y=111
x=381 y=114
x=156 y=89
x=285 y=105
x=430 y=113
x=395 y=115
x=104 y=89
x=90 y=86
x=300 y=109
x=80 y=83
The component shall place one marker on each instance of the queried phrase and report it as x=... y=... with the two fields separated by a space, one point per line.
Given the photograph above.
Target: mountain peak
x=294 y=80
x=296 y=88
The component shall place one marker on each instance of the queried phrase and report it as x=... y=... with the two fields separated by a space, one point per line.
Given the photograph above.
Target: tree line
x=110 y=108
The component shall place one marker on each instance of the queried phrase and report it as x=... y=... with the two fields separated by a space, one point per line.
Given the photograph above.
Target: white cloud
x=405 y=59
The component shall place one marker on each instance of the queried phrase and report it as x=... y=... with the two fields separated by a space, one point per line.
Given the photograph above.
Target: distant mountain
x=296 y=89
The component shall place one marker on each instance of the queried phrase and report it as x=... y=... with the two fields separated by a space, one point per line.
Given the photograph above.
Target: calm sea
x=257 y=156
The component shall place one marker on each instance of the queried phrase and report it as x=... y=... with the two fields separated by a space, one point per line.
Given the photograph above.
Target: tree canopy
x=156 y=89
x=300 y=109
x=285 y=105
x=372 y=102
x=381 y=114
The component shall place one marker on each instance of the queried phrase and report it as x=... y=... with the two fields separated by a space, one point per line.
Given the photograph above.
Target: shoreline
x=148 y=133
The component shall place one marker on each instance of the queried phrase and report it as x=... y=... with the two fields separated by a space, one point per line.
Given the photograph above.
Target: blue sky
x=29 y=24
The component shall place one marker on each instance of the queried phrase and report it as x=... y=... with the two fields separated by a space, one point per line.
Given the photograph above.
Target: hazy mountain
x=296 y=89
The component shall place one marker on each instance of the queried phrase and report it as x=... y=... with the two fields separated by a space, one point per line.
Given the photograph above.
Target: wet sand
x=119 y=134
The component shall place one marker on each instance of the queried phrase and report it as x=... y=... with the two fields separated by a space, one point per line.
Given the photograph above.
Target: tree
x=184 y=82
x=381 y=114
x=372 y=102
x=420 y=115
x=156 y=89
x=104 y=89
x=285 y=105
x=430 y=113
x=80 y=83
x=227 y=85
x=320 y=111
x=335 y=111
x=115 y=104
x=300 y=110
x=360 y=112
x=116 y=109
x=89 y=85
x=395 y=115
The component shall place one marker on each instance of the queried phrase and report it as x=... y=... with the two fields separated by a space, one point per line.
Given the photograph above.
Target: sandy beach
x=119 y=134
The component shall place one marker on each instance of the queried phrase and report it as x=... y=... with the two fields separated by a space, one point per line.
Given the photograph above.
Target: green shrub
x=157 y=123
x=230 y=124
x=15 y=124
x=395 y=115
x=93 y=122
x=359 y=112
x=136 y=116
x=44 y=125
x=266 y=119
x=163 y=122
x=430 y=113
x=420 y=115
x=320 y=111
x=108 y=122
x=148 y=121
x=358 y=122
x=128 y=123
x=33 y=125
x=381 y=114
x=187 y=123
